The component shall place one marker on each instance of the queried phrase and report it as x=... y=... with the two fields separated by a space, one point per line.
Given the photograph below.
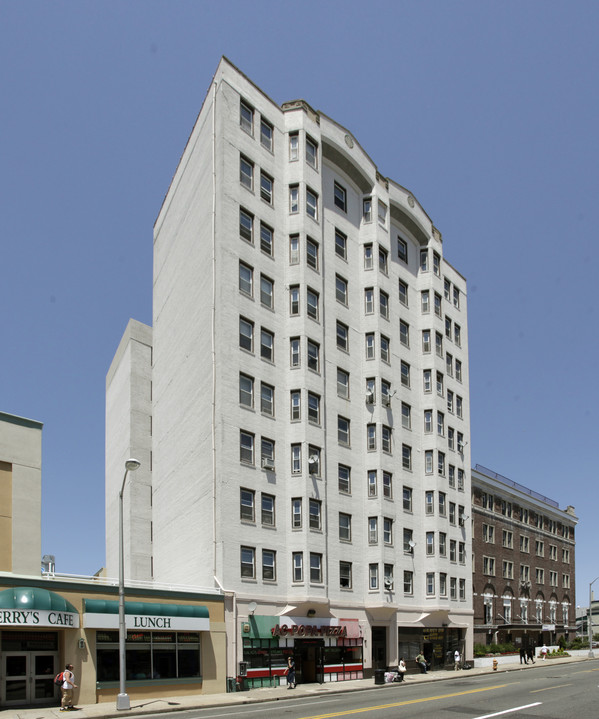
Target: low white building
x=301 y=403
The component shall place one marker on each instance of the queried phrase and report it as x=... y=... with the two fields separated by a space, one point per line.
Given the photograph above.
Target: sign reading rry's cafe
x=38 y=618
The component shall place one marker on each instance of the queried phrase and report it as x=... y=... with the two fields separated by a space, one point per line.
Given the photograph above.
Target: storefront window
x=149 y=655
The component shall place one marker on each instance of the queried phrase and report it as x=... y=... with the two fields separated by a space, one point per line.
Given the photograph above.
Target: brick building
x=523 y=552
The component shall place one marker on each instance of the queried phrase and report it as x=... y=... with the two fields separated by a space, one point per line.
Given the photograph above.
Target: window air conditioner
x=388 y=583
x=268 y=463
x=387 y=400
x=369 y=396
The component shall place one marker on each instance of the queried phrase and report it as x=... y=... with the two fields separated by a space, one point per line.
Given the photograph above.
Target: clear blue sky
x=487 y=111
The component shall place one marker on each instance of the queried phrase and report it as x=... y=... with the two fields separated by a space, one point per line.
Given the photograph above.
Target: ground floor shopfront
x=523 y=635
x=339 y=648
x=175 y=641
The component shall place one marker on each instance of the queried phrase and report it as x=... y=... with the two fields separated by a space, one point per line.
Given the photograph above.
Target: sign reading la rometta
x=145 y=621
x=309 y=630
x=38 y=618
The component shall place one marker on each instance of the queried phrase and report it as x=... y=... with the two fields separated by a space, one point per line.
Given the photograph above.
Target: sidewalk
x=203 y=701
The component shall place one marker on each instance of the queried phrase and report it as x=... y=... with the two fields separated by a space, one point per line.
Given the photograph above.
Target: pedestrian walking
x=401 y=669
x=68 y=684
x=530 y=653
x=456 y=660
x=290 y=672
x=523 y=659
x=544 y=651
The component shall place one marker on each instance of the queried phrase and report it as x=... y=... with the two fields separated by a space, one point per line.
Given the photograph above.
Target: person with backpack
x=68 y=684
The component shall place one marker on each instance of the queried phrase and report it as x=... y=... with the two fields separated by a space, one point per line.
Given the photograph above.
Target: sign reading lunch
x=38 y=618
x=144 y=621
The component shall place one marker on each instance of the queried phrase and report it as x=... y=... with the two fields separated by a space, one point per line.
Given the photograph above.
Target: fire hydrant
x=495 y=663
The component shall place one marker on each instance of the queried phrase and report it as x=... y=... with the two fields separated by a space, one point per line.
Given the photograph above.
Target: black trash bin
x=379 y=676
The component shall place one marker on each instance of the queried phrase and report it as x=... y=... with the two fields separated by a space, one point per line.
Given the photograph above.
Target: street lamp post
x=590 y=621
x=122 y=700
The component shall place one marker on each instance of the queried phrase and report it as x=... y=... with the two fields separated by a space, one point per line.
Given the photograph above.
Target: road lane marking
x=405 y=703
x=509 y=711
x=547 y=689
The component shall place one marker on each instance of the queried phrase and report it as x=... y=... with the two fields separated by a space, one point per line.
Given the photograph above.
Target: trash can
x=379 y=676
x=231 y=684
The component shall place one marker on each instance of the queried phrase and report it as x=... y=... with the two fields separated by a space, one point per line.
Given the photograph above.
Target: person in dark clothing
x=523 y=659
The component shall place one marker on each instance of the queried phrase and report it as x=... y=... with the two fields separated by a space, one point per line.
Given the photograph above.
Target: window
x=456 y=298
x=312 y=303
x=341 y=290
x=507 y=539
x=525 y=544
x=342 y=336
x=387 y=530
x=371 y=437
x=450 y=438
x=312 y=253
x=402 y=250
x=267 y=289
x=408 y=582
x=297 y=559
x=373 y=576
x=269 y=565
x=384 y=304
x=442 y=544
x=430 y=583
x=267 y=399
x=294 y=352
x=344 y=479
x=314 y=514
x=404 y=333
x=315 y=568
x=458 y=370
x=405 y=374
x=386 y=395
x=424 y=260
x=449 y=401
x=342 y=383
x=246 y=117
x=246 y=334
x=246 y=505
x=296 y=405
x=385 y=353
x=428 y=461
x=437 y=264
x=266 y=239
x=266 y=188
x=294 y=300
x=368 y=300
x=429 y=502
x=313 y=356
x=388 y=578
x=382 y=213
x=340 y=244
x=344 y=527
x=343 y=431
x=296 y=458
x=246 y=279
x=267 y=452
x=406 y=457
x=451 y=475
x=248 y=563
x=426 y=341
x=268 y=510
x=340 y=197
x=296 y=513
x=386 y=439
x=489 y=566
x=311 y=204
x=293 y=199
x=246 y=390
x=427 y=380
x=373 y=532
x=430 y=544
x=293 y=146
x=447 y=289
x=463 y=589
x=440 y=424
x=437 y=304
x=294 y=251
x=345 y=572
x=425 y=304
x=440 y=384
x=489 y=533
x=448 y=328
x=461 y=552
x=388 y=485
x=266 y=134
x=311 y=152
x=367 y=209
x=540 y=575
x=372 y=489
x=314 y=460
x=406 y=416
x=368 y=256
x=459 y=406
x=246 y=225
x=369 y=345
x=457 y=334
x=246 y=173
x=267 y=345
x=313 y=408
x=439 y=344
x=408 y=541
x=403 y=293
x=407 y=499
x=370 y=390
x=508 y=569
x=383 y=260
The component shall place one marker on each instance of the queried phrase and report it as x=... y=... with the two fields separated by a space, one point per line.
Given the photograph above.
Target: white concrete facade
x=268 y=201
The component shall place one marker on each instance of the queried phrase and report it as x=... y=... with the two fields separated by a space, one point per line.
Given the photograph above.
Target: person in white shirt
x=456 y=660
x=68 y=684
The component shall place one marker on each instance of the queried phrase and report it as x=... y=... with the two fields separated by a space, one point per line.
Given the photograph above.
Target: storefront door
x=28 y=678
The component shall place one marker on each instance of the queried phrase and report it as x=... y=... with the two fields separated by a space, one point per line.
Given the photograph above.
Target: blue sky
x=487 y=111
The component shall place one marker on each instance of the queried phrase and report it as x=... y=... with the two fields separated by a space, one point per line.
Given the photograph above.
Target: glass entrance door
x=28 y=678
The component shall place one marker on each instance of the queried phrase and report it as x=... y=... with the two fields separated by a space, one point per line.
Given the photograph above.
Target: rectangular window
x=367 y=209
x=246 y=334
x=426 y=341
x=293 y=146
x=312 y=303
x=246 y=225
x=314 y=513
x=425 y=301
x=312 y=253
x=386 y=439
x=294 y=251
x=313 y=356
x=428 y=461
x=267 y=399
x=266 y=134
x=269 y=565
x=408 y=582
x=296 y=405
x=383 y=261
x=424 y=260
x=373 y=532
x=246 y=279
x=313 y=408
x=296 y=458
x=267 y=453
x=246 y=117
x=296 y=513
x=385 y=351
x=344 y=527
x=402 y=250
x=403 y=293
x=298 y=566
x=266 y=188
x=342 y=337
x=384 y=304
x=267 y=292
x=311 y=152
x=371 y=437
x=406 y=416
x=268 y=510
x=341 y=290
x=388 y=485
x=373 y=576
x=437 y=264
x=293 y=199
x=343 y=431
x=368 y=300
x=294 y=300
x=246 y=173
x=372 y=489
x=368 y=261
x=407 y=499
x=489 y=566
x=342 y=383
x=406 y=457
x=382 y=213
x=311 y=204
x=266 y=239
x=246 y=390
x=246 y=505
x=267 y=345
x=430 y=583
x=438 y=310
x=404 y=333
x=248 y=563
x=315 y=568
x=387 y=530
x=340 y=244
x=340 y=197
x=345 y=575
x=405 y=374
x=430 y=544
x=294 y=352
x=344 y=479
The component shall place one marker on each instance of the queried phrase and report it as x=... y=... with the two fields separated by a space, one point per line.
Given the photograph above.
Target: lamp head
x=132 y=464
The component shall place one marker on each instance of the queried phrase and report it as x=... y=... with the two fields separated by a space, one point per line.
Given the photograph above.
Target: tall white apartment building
x=308 y=402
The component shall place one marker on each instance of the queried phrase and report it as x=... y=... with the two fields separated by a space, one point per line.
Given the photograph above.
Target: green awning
x=108 y=606
x=28 y=598
x=103 y=614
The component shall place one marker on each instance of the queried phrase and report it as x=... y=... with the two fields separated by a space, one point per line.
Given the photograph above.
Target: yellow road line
x=558 y=686
x=402 y=704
